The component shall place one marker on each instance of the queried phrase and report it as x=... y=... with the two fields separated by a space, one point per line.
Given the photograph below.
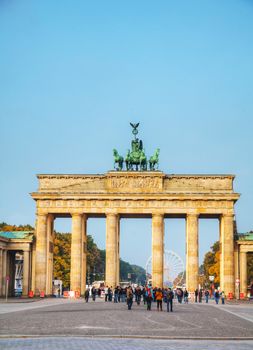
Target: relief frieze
x=117 y=204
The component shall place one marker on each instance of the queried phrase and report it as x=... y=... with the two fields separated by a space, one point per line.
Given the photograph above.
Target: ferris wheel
x=173 y=268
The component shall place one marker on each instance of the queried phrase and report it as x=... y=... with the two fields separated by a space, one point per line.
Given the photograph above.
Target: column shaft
x=50 y=254
x=243 y=273
x=157 y=250
x=111 y=269
x=84 y=253
x=26 y=270
x=4 y=271
x=41 y=254
x=227 y=255
x=192 y=252
x=1 y=270
x=76 y=253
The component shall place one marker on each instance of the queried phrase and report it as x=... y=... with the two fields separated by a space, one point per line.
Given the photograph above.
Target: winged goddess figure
x=134 y=126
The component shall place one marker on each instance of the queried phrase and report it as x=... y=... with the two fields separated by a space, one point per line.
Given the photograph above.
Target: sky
x=73 y=74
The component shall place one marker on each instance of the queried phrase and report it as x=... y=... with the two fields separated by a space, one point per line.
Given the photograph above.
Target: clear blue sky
x=74 y=73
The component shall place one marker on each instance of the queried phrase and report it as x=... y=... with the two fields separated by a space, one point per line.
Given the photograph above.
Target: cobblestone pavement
x=123 y=344
x=59 y=317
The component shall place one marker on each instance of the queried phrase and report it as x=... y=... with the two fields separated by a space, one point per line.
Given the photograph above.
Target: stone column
x=4 y=262
x=243 y=273
x=118 y=253
x=227 y=254
x=192 y=252
x=84 y=253
x=50 y=253
x=76 y=253
x=157 y=249
x=26 y=272
x=1 y=270
x=111 y=269
x=41 y=254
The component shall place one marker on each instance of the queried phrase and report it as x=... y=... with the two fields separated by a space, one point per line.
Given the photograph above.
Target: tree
x=212 y=264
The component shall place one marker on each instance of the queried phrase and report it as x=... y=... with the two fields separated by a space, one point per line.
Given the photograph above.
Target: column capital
x=229 y=215
x=76 y=214
x=192 y=215
x=42 y=214
x=159 y=214
x=114 y=214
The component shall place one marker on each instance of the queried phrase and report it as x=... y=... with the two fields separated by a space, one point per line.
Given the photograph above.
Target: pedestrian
x=144 y=295
x=138 y=295
x=170 y=297
x=119 y=294
x=115 y=294
x=216 y=296
x=87 y=294
x=186 y=295
x=149 y=297
x=110 y=294
x=129 y=297
x=106 y=293
x=207 y=295
x=196 y=295
x=93 y=293
x=179 y=295
x=222 y=295
x=159 y=299
x=123 y=296
x=200 y=295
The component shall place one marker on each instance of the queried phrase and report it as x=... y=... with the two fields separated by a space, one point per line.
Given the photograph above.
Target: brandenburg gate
x=134 y=192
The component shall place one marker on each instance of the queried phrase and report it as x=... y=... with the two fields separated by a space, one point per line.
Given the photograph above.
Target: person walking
x=110 y=293
x=93 y=293
x=186 y=295
x=115 y=295
x=200 y=295
x=222 y=295
x=170 y=297
x=106 y=293
x=217 y=296
x=149 y=297
x=138 y=295
x=87 y=294
x=207 y=295
x=196 y=295
x=159 y=299
x=129 y=297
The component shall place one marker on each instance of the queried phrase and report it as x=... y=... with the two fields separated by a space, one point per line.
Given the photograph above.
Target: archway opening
x=135 y=248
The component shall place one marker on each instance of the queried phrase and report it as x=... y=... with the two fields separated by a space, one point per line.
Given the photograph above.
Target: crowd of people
x=150 y=295
x=147 y=294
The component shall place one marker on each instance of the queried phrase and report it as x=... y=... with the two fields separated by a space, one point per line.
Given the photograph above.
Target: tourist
x=119 y=294
x=186 y=295
x=159 y=299
x=196 y=295
x=222 y=295
x=129 y=297
x=207 y=295
x=138 y=295
x=216 y=296
x=99 y=292
x=87 y=294
x=149 y=297
x=123 y=295
x=170 y=297
x=179 y=295
x=115 y=295
x=110 y=294
x=144 y=295
x=200 y=295
x=106 y=293
x=93 y=293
